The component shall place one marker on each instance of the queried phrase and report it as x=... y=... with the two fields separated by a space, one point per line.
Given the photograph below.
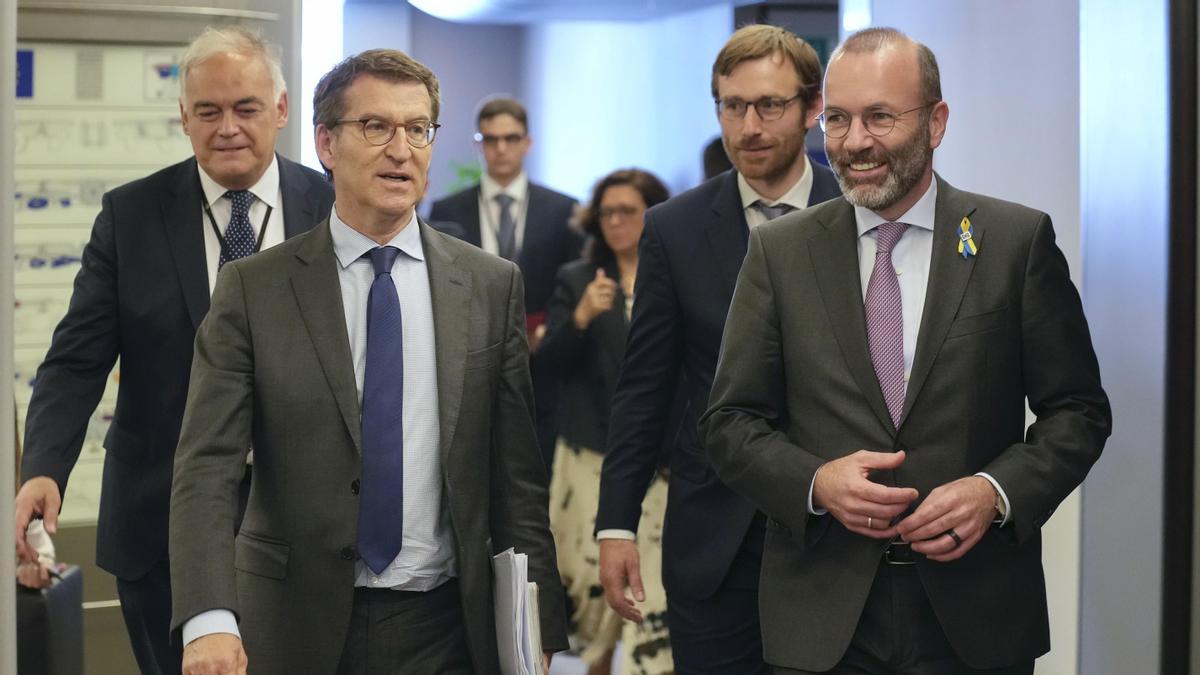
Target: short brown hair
x=759 y=41
x=329 y=103
x=502 y=105
x=871 y=40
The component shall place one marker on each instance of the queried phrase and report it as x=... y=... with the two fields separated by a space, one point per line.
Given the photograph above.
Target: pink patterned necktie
x=885 y=320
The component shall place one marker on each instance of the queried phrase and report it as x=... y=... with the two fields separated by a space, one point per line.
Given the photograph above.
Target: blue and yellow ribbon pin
x=966 y=245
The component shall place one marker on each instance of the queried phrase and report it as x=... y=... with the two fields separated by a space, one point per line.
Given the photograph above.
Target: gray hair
x=232 y=39
x=872 y=40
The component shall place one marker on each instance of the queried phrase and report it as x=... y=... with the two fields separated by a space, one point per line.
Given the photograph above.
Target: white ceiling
x=530 y=11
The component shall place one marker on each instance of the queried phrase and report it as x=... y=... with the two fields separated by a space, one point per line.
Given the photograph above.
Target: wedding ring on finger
x=954 y=535
x=869 y=521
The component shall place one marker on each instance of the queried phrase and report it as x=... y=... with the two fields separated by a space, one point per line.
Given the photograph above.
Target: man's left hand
x=965 y=506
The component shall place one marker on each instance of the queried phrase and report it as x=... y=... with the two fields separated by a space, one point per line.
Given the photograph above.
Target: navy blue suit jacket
x=549 y=241
x=140 y=294
x=690 y=254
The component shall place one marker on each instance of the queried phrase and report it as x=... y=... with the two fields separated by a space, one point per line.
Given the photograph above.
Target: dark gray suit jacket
x=273 y=370
x=795 y=388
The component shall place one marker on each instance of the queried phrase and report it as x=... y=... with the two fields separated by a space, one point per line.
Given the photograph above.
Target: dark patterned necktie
x=885 y=320
x=771 y=212
x=239 y=236
x=381 y=506
x=507 y=235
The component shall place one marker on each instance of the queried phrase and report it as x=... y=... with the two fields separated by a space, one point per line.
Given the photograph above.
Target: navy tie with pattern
x=507 y=235
x=381 y=509
x=239 y=236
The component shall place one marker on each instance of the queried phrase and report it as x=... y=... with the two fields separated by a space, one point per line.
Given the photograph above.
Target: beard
x=906 y=164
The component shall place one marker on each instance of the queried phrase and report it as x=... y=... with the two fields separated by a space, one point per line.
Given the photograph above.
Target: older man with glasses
x=379 y=369
x=871 y=393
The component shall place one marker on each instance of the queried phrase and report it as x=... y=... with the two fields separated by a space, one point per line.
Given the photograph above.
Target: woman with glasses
x=587 y=320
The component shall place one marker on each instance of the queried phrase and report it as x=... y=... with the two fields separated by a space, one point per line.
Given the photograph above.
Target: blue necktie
x=381 y=509
x=239 y=236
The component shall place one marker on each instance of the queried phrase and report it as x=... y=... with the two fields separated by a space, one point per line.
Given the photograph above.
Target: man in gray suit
x=379 y=369
x=870 y=397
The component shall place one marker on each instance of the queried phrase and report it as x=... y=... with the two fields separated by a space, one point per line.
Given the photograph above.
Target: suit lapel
x=318 y=293
x=299 y=205
x=949 y=273
x=450 y=293
x=834 y=255
x=185 y=234
x=470 y=217
x=727 y=231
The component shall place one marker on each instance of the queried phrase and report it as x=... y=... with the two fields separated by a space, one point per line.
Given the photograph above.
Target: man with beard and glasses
x=870 y=397
x=765 y=82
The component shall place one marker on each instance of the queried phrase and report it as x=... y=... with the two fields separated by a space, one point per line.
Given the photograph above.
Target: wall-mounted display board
x=88 y=118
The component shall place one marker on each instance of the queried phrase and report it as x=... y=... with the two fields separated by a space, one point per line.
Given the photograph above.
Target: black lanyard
x=217 y=231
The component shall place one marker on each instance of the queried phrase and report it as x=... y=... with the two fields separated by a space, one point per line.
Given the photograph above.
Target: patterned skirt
x=574 y=495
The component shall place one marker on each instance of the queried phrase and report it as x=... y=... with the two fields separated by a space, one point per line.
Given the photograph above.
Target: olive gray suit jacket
x=795 y=388
x=273 y=370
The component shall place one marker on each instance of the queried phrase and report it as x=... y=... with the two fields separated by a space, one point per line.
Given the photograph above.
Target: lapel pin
x=966 y=245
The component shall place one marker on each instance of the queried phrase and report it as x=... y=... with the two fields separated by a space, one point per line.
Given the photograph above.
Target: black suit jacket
x=549 y=240
x=689 y=257
x=140 y=294
x=795 y=388
x=587 y=361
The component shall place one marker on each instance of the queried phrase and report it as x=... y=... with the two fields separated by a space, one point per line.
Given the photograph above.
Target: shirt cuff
x=616 y=534
x=812 y=509
x=208 y=623
x=1003 y=497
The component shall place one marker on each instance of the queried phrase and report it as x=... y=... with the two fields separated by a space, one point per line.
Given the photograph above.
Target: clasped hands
x=951 y=520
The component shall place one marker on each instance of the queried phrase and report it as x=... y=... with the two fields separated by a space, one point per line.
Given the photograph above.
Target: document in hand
x=518 y=631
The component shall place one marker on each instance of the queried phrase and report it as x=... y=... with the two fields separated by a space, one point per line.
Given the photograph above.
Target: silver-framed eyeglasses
x=877 y=121
x=768 y=107
x=376 y=131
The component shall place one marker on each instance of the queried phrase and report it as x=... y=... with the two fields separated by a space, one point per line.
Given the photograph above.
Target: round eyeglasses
x=376 y=131
x=877 y=121
x=768 y=108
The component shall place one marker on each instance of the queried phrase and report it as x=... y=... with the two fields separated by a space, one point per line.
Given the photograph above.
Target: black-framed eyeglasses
x=877 y=121
x=768 y=107
x=622 y=211
x=376 y=131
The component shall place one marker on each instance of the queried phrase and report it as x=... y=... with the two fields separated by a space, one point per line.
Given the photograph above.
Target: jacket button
x=354 y=486
x=348 y=553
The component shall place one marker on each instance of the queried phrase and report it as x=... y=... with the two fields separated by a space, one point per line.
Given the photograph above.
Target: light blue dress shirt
x=426 y=559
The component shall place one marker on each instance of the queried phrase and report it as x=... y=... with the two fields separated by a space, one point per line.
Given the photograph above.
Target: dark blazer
x=549 y=240
x=689 y=257
x=273 y=369
x=140 y=294
x=587 y=361
x=795 y=388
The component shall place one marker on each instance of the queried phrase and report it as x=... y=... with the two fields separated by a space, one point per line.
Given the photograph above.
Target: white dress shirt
x=489 y=211
x=426 y=558
x=266 y=194
x=796 y=197
x=910 y=258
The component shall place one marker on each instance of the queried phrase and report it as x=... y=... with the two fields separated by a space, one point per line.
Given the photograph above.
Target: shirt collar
x=266 y=190
x=796 y=197
x=349 y=244
x=920 y=215
x=515 y=189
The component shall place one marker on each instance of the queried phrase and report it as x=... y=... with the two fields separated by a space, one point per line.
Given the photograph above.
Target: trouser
x=406 y=632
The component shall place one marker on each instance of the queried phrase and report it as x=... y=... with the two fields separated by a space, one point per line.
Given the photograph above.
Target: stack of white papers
x=518 y=629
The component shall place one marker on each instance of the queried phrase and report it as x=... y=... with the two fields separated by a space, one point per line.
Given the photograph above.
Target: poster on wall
x=88 y=118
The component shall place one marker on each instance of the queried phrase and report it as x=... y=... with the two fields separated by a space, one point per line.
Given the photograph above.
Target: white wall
x=8 y=87
x=1124 y=159
x=1010 y=74
x=637 y=95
